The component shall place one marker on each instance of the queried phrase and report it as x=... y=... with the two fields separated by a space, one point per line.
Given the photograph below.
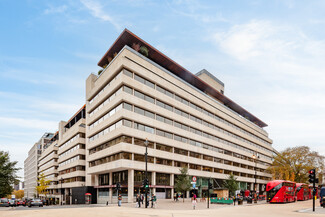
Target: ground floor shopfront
x=161 y=184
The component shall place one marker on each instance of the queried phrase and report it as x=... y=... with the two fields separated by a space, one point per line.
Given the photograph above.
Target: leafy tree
x=8 y=175
x=231 y=184
x=43 y=184
x=294 y=163
x=182 y=182
x=18 y=194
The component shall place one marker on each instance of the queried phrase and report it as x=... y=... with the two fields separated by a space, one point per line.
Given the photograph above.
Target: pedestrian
x=174 y=197
x=193 y=202
x=142 y=198
x=177 y=195
x=153 y=201
x=119 y=200
x=234 y=198
x=138 y=205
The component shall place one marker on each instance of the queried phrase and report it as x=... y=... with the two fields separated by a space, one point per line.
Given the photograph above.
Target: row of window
x=180 y=138
x=107 y=115
x=45 y=158
x=74 y=179
x=78 y=157
x=79 y=135
x=188 y=103
x=80 y=146
x=110 y=158
x=106 y=130
x=109 y=99
x=49 y=169
x=166 y=162
x=185 y=114
x=72 y=169
x=48 y=163
x=161 y=147
x=187 y=128
x=104 y=88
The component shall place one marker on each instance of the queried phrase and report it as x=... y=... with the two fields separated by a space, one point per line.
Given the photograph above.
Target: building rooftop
x=130 y=39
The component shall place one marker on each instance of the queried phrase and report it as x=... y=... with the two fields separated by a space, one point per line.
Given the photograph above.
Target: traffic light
x=118 y=186
x=312 y=176
x=210 y=185
x=145 y=183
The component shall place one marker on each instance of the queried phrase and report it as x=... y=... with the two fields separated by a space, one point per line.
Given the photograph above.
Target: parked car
x=35 y=202
x=4 y=202
x=12 y=203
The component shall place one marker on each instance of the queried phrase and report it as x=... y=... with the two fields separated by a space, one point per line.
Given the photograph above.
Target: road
x=168 y=208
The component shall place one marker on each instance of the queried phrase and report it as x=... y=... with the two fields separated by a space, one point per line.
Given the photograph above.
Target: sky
x=270 y=55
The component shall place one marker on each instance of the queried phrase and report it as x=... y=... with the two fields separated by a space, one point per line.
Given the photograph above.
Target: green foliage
x=144 y=51
x=100 y=71
x=231 y=184
x=43 y=184
x=294 y=163
x=8 y=175
x=182 y=182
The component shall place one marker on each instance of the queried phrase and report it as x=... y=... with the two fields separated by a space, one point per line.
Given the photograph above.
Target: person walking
x=153 y=201
x=138 y=200
x=193 y=202
x=119 y=200
x=142 y=198
x=177 y=196
x=174 y=197
x=234 y=198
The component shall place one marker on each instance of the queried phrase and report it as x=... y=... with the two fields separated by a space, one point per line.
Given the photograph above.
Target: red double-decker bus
x=310 y=192
x=302 y=192
x=280 y=191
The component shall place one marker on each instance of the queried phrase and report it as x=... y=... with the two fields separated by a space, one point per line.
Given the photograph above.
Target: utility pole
x=210 y=186
x=314 y=180
x=146 y=174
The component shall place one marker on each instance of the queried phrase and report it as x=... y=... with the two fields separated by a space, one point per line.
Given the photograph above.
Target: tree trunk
x=184 y=196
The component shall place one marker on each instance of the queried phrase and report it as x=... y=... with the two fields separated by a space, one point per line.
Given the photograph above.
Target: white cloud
x=281 y=79
x=27 y=123
x=96 y=10
x=55 y=10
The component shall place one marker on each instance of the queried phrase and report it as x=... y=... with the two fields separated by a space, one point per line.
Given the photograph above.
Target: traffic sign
x=193 y=183
x=194 y=186
x=194 y=178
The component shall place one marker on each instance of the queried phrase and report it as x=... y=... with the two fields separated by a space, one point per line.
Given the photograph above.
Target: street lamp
x=255 y=156
x=146 y=172
x=61 y=191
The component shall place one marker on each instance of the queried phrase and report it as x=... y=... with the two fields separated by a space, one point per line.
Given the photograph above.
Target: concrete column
x=130 y=186
x=153 y=182
x=172 y=184
x=110 y=189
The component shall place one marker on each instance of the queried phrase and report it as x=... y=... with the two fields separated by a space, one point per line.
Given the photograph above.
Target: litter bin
x=240 y=201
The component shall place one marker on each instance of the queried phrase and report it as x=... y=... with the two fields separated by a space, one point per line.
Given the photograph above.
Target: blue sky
x=269 y=54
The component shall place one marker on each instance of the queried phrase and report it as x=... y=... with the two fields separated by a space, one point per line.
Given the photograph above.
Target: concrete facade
x=31 y=165
x=135 y=99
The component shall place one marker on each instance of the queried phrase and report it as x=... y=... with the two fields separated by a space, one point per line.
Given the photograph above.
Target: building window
x=103 y=179
x=121 y=177
x=162 y=179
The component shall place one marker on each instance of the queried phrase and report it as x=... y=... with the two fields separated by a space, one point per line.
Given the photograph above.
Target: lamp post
x=61 y=191
x=255 y=156
x=146 y=173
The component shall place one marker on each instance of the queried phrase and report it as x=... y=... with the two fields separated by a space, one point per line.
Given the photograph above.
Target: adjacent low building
x=31 y=165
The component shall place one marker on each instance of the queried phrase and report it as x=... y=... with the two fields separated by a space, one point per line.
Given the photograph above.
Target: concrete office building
x=72 y=160
x=142 y=94
x=48 y=166
x=31 y=165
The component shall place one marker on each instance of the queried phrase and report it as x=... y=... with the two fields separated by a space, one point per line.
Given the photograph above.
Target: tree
x=18 y=194
x=182 y=182
x=43 y=184
x=294 y=163
x=8 y=175
x=231 y=184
